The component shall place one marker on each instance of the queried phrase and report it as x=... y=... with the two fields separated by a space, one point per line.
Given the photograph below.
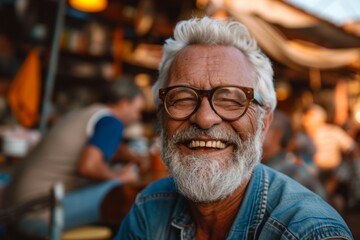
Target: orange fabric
x=24 y=92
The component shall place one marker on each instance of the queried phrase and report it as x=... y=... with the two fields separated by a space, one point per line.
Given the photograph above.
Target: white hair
x=218 y=32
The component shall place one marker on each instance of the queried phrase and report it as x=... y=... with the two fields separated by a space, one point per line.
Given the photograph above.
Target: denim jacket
x=274 y=207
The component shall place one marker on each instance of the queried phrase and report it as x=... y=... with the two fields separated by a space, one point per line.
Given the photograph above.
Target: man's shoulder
x=295 y=208
x=284 y=191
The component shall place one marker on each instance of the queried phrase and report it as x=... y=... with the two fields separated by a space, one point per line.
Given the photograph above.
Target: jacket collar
x=251 y=214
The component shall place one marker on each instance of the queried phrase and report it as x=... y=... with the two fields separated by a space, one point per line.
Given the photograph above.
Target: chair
x=9 y=216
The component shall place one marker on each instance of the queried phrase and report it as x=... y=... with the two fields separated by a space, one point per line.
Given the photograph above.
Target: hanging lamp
x=89 y=5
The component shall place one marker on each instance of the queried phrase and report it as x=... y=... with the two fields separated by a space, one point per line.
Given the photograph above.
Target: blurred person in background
x=215 y=99
x=303 y=147
x=353 y=203
x=331 y=143
x=276 y=156
x=77 y=152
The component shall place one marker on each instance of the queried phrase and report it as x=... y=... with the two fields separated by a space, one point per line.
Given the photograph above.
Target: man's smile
x=207 y=144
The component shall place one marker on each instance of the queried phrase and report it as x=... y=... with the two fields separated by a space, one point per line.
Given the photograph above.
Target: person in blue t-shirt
x=77 y=151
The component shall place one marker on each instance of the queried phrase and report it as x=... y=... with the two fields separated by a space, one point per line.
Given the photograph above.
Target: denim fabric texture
x=274 y=207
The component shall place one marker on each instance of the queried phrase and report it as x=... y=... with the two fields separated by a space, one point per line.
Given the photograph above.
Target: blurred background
x=314 y=48
x=53 y=60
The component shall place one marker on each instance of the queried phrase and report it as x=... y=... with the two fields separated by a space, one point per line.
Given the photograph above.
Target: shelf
x=67 y=54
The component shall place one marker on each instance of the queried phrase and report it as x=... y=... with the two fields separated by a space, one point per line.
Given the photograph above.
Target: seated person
x=215 y=105
x=276 y=157
x=77 y=151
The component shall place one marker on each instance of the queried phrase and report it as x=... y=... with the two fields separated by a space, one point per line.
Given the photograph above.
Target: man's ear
x=268 y=117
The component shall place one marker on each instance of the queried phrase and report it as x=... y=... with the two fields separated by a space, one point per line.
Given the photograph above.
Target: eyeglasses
x=229 y=102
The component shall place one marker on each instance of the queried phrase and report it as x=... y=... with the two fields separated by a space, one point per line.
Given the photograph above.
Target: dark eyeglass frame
x=251 y=96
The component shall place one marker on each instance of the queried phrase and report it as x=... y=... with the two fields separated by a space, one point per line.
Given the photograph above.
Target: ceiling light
x=89 y=5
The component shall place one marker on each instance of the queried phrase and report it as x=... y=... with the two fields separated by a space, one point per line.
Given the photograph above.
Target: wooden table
x=119 y=200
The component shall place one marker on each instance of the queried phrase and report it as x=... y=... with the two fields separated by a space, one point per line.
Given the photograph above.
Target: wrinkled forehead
x=206 y=67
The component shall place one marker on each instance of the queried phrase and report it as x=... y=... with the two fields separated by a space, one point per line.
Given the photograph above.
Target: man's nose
x=205 y=117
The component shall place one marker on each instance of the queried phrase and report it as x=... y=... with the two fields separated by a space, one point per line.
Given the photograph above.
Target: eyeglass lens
x=227 y=102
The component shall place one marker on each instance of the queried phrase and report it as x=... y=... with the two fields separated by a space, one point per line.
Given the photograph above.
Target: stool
x=88 y=233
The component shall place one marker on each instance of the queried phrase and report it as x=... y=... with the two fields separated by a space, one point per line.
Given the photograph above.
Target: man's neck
x=214 y=220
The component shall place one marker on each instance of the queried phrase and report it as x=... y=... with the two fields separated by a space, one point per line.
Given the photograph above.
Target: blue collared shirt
x=274 y=207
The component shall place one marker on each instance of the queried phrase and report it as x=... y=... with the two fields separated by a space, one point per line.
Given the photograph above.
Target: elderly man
x=217 y=99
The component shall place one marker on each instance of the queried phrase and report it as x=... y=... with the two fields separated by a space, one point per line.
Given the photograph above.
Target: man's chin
x=204 y=187
x=215 y=196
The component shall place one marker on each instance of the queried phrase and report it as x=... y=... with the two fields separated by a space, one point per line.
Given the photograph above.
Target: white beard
x=208 y=180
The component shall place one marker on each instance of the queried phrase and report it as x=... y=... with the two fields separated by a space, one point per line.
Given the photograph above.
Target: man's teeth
x=210 y=144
